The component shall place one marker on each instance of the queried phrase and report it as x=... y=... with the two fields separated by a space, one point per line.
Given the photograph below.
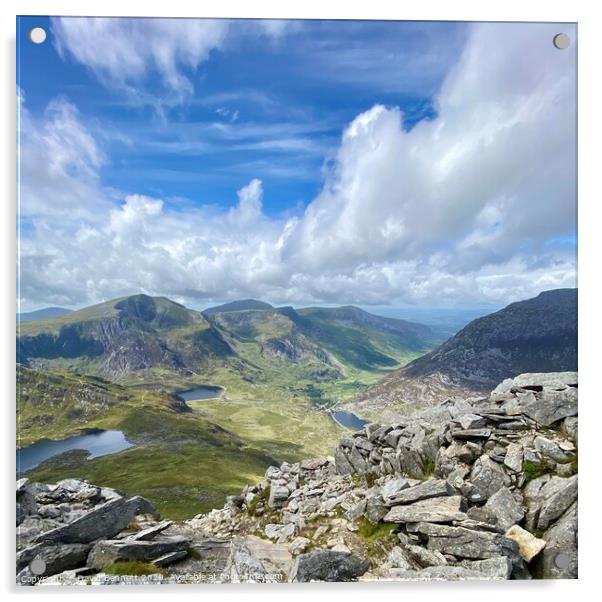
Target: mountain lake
x=204 y=392
x=98 y=443
x=348 y=420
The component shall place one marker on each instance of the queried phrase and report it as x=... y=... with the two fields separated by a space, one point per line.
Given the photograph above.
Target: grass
x=379 y=538
x=533 y=471
x=133 y=567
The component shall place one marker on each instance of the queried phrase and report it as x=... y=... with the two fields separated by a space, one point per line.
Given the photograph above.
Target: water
x=351 y=421
x=206 y=392
x=97 y=443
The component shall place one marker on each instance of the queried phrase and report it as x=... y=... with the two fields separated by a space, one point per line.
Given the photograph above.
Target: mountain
x=152 y=339
x=242 y=305
x=536 y=335
x=121 y=337
x=43 y=314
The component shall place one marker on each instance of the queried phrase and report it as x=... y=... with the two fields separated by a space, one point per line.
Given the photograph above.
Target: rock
x=392 y=487
x=505 y=508
x=280 y=533
x=558 y=494
x=428 y=489
x=356 y=510
x=514 y=457
x=492 y=569
x=342 y=464
x=151 y=531
x=465 y=543
x=243 y=566
x=299 y=545
x=487 y=477
x=570 y=428
x=327 y=565
x=424 y=557
x=433 y=510
x=469 y=434
x=105 y=520
x=471 y=421
x=375 y=509
x=80 y=491
x=108 y=551
x=52 y=559
x=528 y=545
x=278 y=496
x=26 y=500
x=537 y=381
x=549 y=449
x=551 y=406
x=170 y=558
x=314 y=463
x=559 y=558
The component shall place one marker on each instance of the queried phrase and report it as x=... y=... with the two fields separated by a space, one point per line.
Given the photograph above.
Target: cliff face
x=470 y=489
x=536 y=335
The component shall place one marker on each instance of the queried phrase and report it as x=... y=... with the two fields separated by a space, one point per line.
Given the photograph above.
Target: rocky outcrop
x=481 y=488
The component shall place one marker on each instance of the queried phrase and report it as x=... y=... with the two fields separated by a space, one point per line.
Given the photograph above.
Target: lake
x=349 y=420
x=98 y=443
x=205 y=392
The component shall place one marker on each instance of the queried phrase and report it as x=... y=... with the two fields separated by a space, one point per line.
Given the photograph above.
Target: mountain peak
x=238 y=305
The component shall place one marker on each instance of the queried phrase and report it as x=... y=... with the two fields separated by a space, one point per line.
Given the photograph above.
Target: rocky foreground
x=482 y=488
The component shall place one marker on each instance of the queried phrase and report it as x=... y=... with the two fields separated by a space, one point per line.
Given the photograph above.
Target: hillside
x=43 y=314
x=241 y=305
x=536 y=335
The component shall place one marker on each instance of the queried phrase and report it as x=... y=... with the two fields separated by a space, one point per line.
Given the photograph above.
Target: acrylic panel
x=296 y=301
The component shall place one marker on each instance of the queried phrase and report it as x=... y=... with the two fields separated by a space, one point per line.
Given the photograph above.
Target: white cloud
x=123 y=53
x=460 y=209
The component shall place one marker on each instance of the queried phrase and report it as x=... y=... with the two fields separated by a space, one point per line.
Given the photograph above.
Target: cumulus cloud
x=476 y=205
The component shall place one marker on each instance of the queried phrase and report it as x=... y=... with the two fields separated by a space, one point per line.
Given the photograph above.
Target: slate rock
x=425 y=490
x=529 y=545
x=108 y=551
x=433 y=510
x=488 y=477
x=327 y=565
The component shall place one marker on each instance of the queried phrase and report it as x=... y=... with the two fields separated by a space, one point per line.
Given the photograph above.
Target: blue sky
x=263 y=107
x=299 y=161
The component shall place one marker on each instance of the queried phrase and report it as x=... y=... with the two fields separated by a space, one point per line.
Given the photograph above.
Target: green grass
x=533 y=471
x=133 y=567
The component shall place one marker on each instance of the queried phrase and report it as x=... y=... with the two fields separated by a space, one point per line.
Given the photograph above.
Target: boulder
x=559 y=558
x=466 y=543
x=327 y=565
x=425 y=490
x=108 y=551
x=433 y=510
x=299 y=545
x=151 y=531
x=550 y=406
x=558 y=495
x=488 y=477
x=505 y=508
x=528 y=545
x=278 y=496
x=103 y=521
x=43 y=560
x=514 y=457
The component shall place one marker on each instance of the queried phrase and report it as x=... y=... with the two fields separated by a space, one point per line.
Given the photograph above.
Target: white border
x=590 y=305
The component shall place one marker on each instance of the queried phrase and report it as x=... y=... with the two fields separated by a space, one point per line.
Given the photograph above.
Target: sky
x=300 y=162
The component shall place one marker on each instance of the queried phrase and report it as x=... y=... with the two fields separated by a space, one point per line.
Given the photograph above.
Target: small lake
x=349 y=420
x=98 y=444
x=205 y=392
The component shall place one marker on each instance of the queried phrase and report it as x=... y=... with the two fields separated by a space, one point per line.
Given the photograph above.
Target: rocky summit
x=483 y=488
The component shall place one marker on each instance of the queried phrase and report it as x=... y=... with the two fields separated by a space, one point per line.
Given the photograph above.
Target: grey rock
x=550 y=406
x=558 y=494
x=548 y=449
x=514 y=457
x=433 y=510
x=108 y=551
x=278 y=496
x=493 y=569
x=424 y=557
x=537 y=381
x=170 y=558
x=392 y=487
x=559 y=558
x=342 y=464
x=151 y=531
x=54 y=558
x=471 y=421
x=105 y=520
x=327 y=565
x=428 y=489
x=505 y=508
x=487 y=477
x=465 y=543
x=375 y=509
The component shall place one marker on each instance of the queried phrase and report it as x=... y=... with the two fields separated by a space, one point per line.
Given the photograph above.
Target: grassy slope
x=182 y=462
